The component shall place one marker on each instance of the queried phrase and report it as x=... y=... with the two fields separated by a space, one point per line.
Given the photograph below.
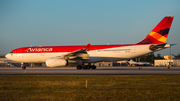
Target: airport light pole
x=170 y=57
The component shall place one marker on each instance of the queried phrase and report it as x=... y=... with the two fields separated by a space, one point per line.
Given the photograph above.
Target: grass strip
x=99 y=87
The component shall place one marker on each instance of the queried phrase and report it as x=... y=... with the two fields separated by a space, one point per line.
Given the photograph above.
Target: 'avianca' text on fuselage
x=56 y=56
x=39 y=49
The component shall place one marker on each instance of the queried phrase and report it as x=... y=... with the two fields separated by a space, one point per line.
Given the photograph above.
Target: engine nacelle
x=56 y=62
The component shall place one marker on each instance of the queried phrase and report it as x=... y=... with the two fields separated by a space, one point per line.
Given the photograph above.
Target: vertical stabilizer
x=160 y=33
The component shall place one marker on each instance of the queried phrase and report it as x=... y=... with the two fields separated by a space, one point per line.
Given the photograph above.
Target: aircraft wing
x=82 y=54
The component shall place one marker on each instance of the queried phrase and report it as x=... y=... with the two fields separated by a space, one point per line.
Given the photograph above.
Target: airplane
x=82 y=56
x=131 y=62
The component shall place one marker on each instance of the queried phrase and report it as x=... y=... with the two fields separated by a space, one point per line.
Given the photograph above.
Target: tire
x=79 y=67
x=24 y=67
x=84 y=67
x=93 y=67
x=88 y=67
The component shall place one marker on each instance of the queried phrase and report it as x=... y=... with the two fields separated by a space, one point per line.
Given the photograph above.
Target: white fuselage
x=109 y=54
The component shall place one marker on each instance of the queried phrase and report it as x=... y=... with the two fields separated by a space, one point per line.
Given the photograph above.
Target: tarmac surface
x=98 y=71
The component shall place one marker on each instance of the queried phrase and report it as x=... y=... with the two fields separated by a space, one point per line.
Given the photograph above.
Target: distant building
x=108 y=64
x=103 y=64
x=166 y=62
x=2 y=56
x=168 y=57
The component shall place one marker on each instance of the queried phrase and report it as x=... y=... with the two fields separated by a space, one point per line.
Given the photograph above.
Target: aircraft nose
x=7 y=56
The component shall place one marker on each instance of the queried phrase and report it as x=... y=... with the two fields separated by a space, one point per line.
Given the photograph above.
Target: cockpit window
x=11 y=52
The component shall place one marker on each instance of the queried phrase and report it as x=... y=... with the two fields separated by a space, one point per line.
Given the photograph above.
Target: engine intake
x=56 y=62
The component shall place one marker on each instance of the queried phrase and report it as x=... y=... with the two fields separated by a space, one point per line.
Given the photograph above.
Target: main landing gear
x=86 y=67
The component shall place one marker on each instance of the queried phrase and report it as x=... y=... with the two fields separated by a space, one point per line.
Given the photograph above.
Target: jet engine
x=56 y=62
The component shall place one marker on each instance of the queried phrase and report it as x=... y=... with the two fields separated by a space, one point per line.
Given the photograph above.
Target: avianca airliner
x=57 y=56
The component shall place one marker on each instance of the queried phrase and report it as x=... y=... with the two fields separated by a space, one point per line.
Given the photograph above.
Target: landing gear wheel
x=79 y=67
x=93 y=67
x=88 y=67
x=84 y=67
x=23 y=67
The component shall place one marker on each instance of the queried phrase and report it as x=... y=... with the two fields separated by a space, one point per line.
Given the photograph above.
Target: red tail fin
x=160 y=33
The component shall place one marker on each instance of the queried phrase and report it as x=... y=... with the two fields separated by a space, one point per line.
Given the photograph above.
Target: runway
x=98 y=71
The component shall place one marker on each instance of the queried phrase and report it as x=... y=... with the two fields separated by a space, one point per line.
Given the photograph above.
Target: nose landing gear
x=23 y=66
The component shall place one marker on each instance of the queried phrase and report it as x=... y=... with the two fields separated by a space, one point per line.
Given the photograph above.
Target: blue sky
x=79 y=22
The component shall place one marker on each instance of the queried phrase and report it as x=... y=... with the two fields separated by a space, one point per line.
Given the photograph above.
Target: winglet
x=87 y=46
